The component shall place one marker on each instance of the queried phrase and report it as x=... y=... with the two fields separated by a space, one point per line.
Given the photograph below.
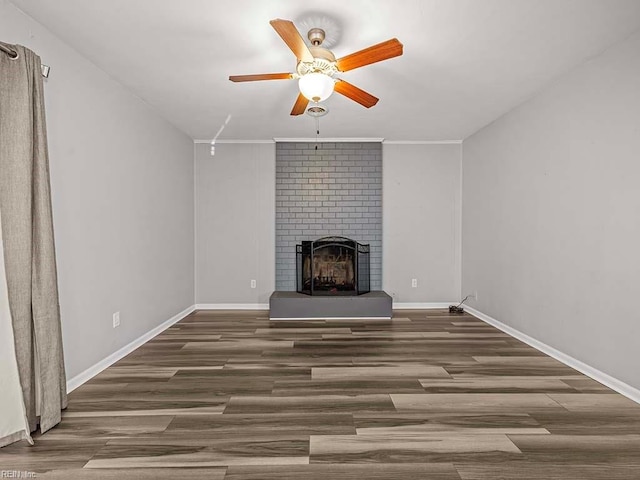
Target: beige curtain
x=27 y=230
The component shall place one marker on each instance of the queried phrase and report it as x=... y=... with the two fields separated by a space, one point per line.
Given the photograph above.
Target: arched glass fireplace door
x=332 y=266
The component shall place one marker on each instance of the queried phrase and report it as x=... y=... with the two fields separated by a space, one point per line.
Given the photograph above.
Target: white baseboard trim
x=619 y=386
x=94 y=370
x=265 y=306
x=232 y=306
x=421 y=306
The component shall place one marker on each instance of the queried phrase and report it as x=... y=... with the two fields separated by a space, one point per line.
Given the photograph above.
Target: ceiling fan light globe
x=316 y=87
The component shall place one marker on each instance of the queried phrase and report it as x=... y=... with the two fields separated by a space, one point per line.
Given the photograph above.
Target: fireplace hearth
x=332 y=266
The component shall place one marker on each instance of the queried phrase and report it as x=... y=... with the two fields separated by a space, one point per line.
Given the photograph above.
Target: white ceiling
x=465 y=62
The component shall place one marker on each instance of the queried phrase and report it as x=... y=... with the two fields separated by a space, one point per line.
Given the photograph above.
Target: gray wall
x=421 y=190
x=235 y=211
x=334 y=190
x=551 y=203
x=122 y=189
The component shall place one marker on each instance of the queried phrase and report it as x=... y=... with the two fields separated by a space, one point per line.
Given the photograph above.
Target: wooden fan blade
x=300 y=106
x=261 y=76
x=356 y=94
x=289 y=33
x=376 y=53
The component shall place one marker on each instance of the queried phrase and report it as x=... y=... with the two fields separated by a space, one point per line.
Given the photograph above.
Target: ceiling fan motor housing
x=324 y=61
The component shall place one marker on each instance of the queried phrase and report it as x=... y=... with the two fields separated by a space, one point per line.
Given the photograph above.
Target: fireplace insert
x=332 y=266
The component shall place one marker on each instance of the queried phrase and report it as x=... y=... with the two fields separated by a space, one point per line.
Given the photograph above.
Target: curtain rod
x=13 y=54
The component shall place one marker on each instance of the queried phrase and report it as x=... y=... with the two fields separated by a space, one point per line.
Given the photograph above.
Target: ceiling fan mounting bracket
x=316 y=36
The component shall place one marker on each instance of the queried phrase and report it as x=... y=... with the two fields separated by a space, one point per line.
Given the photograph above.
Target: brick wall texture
x=334 y=190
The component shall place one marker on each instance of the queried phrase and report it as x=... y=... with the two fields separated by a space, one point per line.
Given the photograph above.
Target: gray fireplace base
x=297 y=306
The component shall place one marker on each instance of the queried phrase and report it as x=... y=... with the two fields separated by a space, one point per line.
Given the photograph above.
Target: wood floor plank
x=190 y=453
x=109 y=427
x=134 y=374
x=495 y=385
x=603 y=422
x=229 y=372
x=242 y=443
x=580 y=449
x=531 y=470
x=367 y=321
x=517 y=369
x=318 y=403
x=306 y=330
x=402 y=371
x=518 y=360
x=286 y=362
x=447 y=423
x=167 y=458
x=371 y=471
x=346 y=386
x=409 y=448
x=94 y=389
x=242 y=344
x=213 y=390
x=136 y=402
x=478 y=402
x=49 y=455
x=185 y=410
x=422 y=358
x=587 y=385
x=594 y=402
x=212 y=473
x=263 y=425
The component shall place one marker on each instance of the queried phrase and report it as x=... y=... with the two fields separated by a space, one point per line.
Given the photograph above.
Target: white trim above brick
x=235 y=141
x=334 y=140
x=330 y=140
x=423 y=142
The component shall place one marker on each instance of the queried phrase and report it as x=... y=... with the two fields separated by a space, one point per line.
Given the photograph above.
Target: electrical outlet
x=253 y=284
x=116 y=319
x=414 y=283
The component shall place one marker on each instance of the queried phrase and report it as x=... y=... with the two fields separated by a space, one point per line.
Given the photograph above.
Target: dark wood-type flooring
x=230 y=395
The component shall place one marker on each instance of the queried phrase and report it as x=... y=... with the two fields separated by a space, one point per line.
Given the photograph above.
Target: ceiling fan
x=317 y=66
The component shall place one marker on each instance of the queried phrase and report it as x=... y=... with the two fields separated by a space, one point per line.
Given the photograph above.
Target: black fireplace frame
x=361 y=260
